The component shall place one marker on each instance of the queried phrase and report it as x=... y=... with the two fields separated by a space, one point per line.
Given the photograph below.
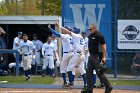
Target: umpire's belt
x=48 y=55
x=27 y=54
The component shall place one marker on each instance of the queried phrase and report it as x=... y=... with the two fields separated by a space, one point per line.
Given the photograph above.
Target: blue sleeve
x=54 y=32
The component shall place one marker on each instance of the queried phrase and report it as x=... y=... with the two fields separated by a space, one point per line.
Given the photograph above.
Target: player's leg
x=45 y=64
x=71 y=66
x=33 y=66
x=51 y=65
x=25 y=66
x=38 y=61
x=29 y=61
x=57 y=63
x=83 y=72
x=94 y=79
x=64 y=69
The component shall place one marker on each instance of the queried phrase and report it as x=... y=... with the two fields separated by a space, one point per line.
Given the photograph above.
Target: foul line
x=35 y=91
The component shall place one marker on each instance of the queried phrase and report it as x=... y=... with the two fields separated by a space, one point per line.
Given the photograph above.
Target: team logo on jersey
x=130 y=32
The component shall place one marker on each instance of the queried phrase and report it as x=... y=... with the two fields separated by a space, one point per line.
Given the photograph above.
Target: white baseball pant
x=27 y=60
x=57 y=59
x=77 y=61
x=48 y=61
x=37 y=59
x=65 y=60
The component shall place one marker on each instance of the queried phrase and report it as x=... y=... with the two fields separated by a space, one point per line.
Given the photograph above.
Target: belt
x=27 y=54
x=48 y=55
x=79 y=52
x=65 y=52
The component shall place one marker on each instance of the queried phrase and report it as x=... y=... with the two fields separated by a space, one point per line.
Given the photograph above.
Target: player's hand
x=104 y=60
x=34 y=56
x=49 y=26
x=44 y=56
x=56 y=24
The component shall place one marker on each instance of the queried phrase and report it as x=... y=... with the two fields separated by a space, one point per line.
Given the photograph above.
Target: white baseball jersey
x=26 y=47
x=38 y=44
x=78 y=42
x=54 y=42
x=48 y=60
x=67 y=42
x=86 y=42
x=48 y=49
x=16 y=40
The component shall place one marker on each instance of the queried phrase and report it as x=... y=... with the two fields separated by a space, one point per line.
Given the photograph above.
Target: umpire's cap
x=76 y=30
x=68 y=28
x=19 y=33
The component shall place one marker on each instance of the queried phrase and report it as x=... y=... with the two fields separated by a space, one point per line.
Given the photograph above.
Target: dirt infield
x=11 y=90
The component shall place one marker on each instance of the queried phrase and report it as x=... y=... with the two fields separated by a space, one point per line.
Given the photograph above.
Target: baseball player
x=16 y=43
x=86 y=52
x=38 y=46
x=27 y=48
x=78 y=57
x=48 y=51
x=67 y=52
x=56 y=60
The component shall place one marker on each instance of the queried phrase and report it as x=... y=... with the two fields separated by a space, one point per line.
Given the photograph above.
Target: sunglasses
x=89 y=29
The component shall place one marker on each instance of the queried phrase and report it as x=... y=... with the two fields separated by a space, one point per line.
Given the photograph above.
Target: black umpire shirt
x=95 y=40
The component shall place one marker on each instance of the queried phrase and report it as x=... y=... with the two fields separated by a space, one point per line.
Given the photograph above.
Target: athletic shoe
x=65 y=85
x=28 y=78
x=101 y=86
x=71 y=85
x=43 y=75
x=94 y=86
x=108 y=90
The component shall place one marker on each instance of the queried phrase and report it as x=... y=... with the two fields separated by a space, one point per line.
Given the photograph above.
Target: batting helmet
x=76 y=30
x=68 y=28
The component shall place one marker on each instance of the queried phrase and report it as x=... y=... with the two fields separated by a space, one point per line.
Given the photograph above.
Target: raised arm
x=66 y=31
x=53 y=31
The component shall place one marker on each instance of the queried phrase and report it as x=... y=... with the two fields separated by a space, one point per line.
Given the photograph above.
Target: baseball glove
x=102 y=68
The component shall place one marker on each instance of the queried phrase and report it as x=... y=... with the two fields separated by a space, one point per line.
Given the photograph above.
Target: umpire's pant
x=93 y=63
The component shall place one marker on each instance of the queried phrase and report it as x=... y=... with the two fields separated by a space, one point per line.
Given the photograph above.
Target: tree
x=30 y=7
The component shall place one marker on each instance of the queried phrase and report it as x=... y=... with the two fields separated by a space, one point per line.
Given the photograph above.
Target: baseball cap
x=68 y=28
x=83 y=32
x=35 y=35
x=25 y=35
x=19 y=33
x=76 y=30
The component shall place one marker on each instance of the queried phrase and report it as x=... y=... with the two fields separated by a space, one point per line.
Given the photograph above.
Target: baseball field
x=37 y=84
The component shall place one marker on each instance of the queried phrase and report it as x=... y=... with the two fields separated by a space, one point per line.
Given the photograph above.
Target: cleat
x=43 y=75
x=65 y=86
x=94 y=86
x=71 y=85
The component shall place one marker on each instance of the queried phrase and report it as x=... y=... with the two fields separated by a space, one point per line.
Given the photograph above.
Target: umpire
x=95 y=44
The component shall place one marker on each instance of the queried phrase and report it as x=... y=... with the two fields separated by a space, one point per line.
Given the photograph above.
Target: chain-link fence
x=123 y=59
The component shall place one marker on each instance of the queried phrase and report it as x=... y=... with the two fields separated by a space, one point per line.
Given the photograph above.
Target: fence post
x=115 y=38
x=17 y=63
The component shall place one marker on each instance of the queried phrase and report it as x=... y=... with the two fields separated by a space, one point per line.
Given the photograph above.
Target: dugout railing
x=8 y=51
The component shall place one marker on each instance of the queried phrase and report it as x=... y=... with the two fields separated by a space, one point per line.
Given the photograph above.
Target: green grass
x=21 y=80
x=124 y=82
